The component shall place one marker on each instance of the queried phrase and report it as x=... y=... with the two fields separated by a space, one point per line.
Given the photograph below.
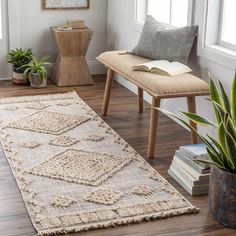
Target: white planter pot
x=36 y=83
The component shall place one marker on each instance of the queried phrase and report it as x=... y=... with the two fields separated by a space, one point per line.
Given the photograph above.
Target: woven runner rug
x=74 y=172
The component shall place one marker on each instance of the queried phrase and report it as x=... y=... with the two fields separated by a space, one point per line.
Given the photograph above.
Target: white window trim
x=3 y=24
x=221 y=42
x=138 y=25
x=208 y=47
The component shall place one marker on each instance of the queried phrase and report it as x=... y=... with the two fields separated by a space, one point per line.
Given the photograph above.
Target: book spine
x=184 y=176
x=192 y=163
x=191 y=175
x=177 y=179
x=192 y=190
x=193 y=157
x=191 y=154
x=189 y=171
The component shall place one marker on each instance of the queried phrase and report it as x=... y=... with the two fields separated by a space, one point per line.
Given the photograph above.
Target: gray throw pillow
x=160 y=41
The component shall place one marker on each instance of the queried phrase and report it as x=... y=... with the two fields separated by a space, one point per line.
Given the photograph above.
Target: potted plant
x=18 y=58
x=221 y=151
x=36 y=71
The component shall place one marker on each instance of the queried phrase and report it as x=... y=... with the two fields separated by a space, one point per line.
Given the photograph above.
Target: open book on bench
x=163 y=67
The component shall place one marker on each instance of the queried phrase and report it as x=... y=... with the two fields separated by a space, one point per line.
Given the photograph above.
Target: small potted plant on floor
x=18 y=58
x=221 y=151
x=36 y=71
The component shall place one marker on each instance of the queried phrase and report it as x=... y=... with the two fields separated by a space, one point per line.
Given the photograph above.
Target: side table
x=71 y=66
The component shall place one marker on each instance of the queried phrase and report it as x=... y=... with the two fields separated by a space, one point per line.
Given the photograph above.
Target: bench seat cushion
x=156 y=85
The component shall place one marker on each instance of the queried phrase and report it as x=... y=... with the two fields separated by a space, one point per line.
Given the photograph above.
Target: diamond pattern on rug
x=104 y=196
x=142 y=190
x=11 y=108
x=48 y=122
x=63 y=201
x=31 y=144
x=95 y=138
x=64 y=103
x=36 y=106
x=81 y=167
x=63 y=141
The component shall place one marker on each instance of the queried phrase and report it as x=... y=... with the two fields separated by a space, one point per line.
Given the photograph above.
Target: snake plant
x=221 y=151
x=36 y=66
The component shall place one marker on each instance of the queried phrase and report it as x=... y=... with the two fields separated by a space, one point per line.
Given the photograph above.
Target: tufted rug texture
x=74 y=172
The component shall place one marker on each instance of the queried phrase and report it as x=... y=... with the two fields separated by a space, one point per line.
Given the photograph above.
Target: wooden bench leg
x=140 y=99
x=153 y=127
x=192 y=108
x=107 y=94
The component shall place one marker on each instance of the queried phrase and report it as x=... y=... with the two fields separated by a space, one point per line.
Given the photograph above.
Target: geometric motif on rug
x=104 y=196
x=88 y=168
x=11 y=108
x=142 y=190
x=63 y=141
x=63 y=201
x=48 y=122
x=95 y=138
x=30 y=144
x=37 y=106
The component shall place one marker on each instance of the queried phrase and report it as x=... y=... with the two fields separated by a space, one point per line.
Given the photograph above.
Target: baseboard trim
x=2 y=79
x=96 y=68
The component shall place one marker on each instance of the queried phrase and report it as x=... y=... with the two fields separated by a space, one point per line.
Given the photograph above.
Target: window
x=174 y=12
x=227 y=33
x=216 y=41
x=0 y=19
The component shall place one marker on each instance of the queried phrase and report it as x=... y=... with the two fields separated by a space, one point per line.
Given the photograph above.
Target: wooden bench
x=158 y=86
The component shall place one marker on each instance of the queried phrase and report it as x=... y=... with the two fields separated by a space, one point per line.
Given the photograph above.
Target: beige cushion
x=156 y=85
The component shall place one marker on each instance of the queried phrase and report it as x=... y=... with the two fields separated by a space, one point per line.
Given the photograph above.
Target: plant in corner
x=18 y=58
x=221 y=152
x=36 y=71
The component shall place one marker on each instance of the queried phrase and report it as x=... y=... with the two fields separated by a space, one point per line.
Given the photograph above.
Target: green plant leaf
x=214 y=93
x=221 y=155
x=231 y=148
x=210 y=162
x=233 y=100
x=219 y=110
x=198 y=119
x=229 y=125
x=225 y=99
x=215 y=96
x=215 y=158
x=19 y=57
x=225 y=143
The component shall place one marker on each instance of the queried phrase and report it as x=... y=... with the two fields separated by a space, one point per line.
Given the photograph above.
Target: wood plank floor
x=133 y=127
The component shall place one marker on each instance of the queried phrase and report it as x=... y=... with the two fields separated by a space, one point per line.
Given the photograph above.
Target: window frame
x=140 y=23
x=1 y=21
x=208 y=46
x=221 y=42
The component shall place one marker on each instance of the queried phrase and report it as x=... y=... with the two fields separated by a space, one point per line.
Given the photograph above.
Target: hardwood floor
x=124 y=118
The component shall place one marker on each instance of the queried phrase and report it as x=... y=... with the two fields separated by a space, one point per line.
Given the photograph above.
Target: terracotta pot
x=222 y=197
x=35 y=81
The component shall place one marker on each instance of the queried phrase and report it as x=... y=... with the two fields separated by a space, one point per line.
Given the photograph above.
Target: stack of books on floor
x=191 y=175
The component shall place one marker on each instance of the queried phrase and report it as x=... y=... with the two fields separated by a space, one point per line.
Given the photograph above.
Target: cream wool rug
x=74 y=172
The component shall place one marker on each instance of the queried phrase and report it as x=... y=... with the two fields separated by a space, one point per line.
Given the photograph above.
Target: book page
x=164 y=67
x=173 y=68
x=155 y=64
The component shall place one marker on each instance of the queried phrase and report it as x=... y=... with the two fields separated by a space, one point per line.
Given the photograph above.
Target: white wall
x=5 y=68
x=122 y=34
x=29 y=27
